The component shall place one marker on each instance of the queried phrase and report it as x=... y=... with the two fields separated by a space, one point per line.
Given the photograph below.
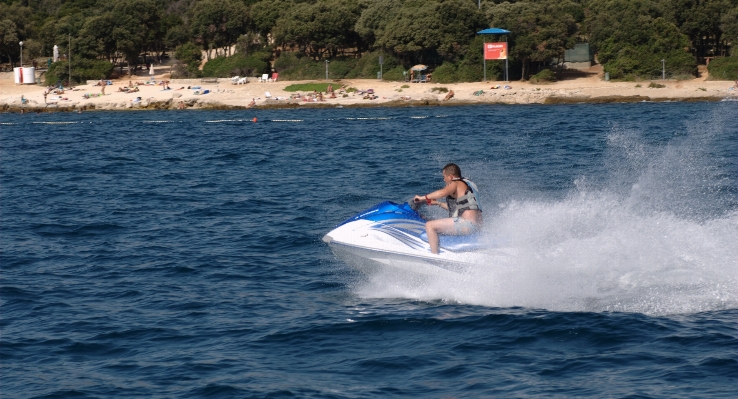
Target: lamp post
x=326 y=69
x=21 y=46
x=663 y=69
x=69 y=60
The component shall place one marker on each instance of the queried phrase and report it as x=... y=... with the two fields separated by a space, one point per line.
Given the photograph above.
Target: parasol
x=419 y=67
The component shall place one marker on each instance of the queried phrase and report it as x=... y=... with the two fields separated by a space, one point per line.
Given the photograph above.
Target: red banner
x=495 y=51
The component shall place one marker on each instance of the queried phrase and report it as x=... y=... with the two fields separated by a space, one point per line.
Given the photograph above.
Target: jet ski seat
x=472 y=242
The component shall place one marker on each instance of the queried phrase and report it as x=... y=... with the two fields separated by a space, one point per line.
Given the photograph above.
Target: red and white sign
x=495 y=51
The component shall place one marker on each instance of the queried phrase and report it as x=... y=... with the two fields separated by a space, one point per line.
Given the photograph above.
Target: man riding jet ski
x=464 y=212
x=390 y=234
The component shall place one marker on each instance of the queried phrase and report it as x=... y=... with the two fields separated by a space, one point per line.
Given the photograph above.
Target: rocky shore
x=222 y=94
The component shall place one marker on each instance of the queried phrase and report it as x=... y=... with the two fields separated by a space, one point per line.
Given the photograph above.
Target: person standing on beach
x=151 y=71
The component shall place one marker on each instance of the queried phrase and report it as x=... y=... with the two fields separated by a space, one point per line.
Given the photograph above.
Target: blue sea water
x=179 y=254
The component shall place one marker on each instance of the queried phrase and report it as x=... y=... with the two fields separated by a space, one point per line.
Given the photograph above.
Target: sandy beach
x=223 y=94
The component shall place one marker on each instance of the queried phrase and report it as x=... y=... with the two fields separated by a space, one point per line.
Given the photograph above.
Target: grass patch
x=701 y=88
x=319 y=87
x=638 y=85
x=351 y=90
x=439 y=89
x=405 y=86
x=653 y=85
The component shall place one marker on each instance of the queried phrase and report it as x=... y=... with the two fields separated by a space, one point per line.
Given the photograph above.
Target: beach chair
x=234 y=80
x=243 y=80
x=275 y=75
x=423 y=79
x=264 y=77
x=267 y=94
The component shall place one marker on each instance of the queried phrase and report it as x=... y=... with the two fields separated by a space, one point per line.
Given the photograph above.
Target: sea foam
x=658 y=235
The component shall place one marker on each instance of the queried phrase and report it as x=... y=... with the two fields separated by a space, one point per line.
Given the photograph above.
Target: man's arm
x=438 y=194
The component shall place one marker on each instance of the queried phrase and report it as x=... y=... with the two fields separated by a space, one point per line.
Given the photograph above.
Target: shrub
x=723 y=68
x=367 y=66
x=634 y=63
x=340 y=68
x=188 y=53
x=439 y=89
x=82 y=70
x=653 y=85
x=295 y=66
x=189 y=57
x=446 y=73
x=466 y=71
x=394 y=74
x=470 y=73
x=181 y=71
x=236 y=65
x=545 y=76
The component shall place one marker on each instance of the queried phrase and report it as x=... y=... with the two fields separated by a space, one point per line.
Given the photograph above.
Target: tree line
x=629 y=37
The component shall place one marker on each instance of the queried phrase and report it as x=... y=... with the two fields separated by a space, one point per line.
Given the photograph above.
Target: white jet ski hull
x=392 y=236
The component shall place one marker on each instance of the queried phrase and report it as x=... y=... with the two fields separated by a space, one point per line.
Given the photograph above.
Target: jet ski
x=393 y=235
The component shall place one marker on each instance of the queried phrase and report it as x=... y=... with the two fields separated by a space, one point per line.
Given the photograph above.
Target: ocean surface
x=179 y=254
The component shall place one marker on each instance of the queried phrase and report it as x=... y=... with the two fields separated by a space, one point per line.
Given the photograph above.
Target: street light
x=663 y=69
x=69 y=60
x=326 y=69
x=21 y=44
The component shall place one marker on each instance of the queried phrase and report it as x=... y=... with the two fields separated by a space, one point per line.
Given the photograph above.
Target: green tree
x=374 y=18
x=95 y=39
x=631 y=38
x=701 y=21
x=217 y=23
x=14 y=27
x=422 y=30
x=609 y=18
x=729 y=27
x=322 y=29
x=177 y=33
x=8 y=38
x=264 y=14
x=190 y=56
x=61 y=32
x=136 y=22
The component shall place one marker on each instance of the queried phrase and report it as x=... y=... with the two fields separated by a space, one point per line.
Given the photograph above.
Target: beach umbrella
x=56 y=53
x=419 y=67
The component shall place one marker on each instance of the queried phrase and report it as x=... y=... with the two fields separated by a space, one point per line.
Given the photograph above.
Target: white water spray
x=659 y=237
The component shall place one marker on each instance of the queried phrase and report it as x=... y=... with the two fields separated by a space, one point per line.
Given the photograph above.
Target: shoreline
x=223 y=95
x=215 y=106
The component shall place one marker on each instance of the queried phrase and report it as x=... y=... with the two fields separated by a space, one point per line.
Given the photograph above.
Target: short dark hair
x=452 y=169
